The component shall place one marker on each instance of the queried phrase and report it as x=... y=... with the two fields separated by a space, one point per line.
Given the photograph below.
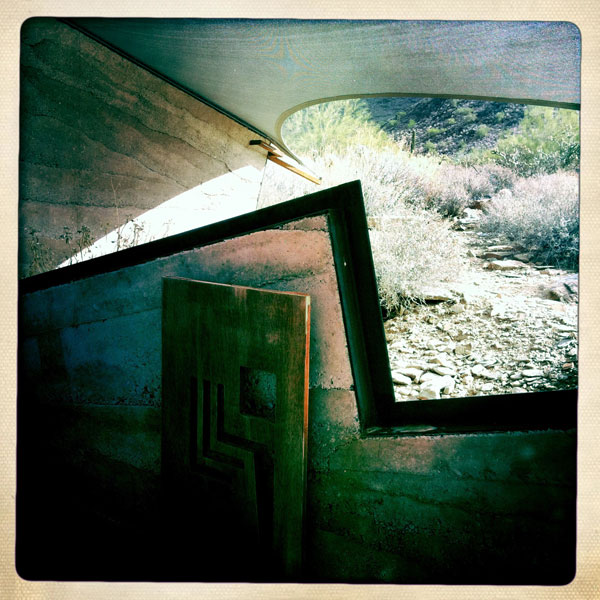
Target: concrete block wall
x=103 y=141
x=491 y=507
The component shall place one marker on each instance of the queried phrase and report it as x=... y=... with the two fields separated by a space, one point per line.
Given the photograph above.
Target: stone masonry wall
x=455 y=508
x=103 y=141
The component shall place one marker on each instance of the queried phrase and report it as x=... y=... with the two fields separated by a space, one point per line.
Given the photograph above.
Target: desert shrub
x=413 y=246
x=499 y=177
x=547 y=142
x=467 y=114
x=542 y=214
x=482 y=131
x=412 y=251
x=433 y=131
x=454 y=188
x=333 y=127
x=430 y=147
x=388 y=178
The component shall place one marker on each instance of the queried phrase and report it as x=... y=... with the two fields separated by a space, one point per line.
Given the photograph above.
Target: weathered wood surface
x=235 y=419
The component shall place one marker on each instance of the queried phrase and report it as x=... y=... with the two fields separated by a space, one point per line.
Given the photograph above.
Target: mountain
x=445 y=126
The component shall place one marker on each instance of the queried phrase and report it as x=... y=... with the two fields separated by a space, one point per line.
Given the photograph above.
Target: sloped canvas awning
x=261 y=71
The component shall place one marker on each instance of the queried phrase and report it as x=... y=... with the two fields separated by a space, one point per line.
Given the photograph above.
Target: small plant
x=499 y=177
x=40 y=256
x=451 y=121
x=467 y=114
x=482 y=131
x=547 y=142
x=430 y=147
x=411 y=124
x=542 y=214
x=82 y=238
x=500 y=116
x=433 y=131
x=333 y=125
x=411 y=251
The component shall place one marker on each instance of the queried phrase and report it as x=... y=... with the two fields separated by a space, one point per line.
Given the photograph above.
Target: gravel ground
x=501 y=330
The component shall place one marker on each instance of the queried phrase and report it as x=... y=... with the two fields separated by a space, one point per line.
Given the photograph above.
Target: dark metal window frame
x=378 y=411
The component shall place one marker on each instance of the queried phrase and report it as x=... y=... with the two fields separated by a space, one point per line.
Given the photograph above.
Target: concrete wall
x=104 y=141
x=495 y=507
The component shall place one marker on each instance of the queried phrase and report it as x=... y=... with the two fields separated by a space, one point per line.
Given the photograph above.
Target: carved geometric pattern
x=235 y=409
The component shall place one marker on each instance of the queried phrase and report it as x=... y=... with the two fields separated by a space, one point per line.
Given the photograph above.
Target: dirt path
x=507 y=326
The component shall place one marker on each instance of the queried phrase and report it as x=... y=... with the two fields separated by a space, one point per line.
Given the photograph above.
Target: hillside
x=445 y=126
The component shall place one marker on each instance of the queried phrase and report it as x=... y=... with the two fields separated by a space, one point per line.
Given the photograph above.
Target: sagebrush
x=542 y=214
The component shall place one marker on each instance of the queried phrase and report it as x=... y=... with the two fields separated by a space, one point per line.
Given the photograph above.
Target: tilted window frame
x=379 y=413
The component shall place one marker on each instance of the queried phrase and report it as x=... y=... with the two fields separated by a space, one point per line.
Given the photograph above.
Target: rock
x=427 y=376
x=519 y=390
x=498 y=310
x=447 y=348
x=430 y=390
x=457 y=308
x=494 y=255
x=472 y=215
x=405 y=390
x=516 y=376
x=533 y=373
x=501 y=248
x=443 y=371
x=487 y=387
x=480 y=371
x=400 y=379
x=410 y=372
x=463 y=349
x=443 y=360
x=490 y=374
x=477 y=369
x=436 y=294
x=415 y=364
x=564 y=289
x=568 y=366
x=564 y=328
x=505 y=265
x=522 y=257
x=461 y=335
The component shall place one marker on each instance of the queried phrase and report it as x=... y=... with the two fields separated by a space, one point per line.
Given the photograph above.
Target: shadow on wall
x=104 y=142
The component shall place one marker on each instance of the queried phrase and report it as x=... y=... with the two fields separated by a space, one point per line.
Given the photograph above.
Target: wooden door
x=235 y=416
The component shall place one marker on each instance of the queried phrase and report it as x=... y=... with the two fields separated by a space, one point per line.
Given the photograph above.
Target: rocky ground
x=507 y=326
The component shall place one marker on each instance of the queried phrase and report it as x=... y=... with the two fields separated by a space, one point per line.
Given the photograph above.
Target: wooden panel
x=235 y=412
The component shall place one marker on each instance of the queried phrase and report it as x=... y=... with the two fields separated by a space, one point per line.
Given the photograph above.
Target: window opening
x=473 y=214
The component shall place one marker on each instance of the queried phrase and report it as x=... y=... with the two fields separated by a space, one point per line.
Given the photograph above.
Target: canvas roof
x=261 y=71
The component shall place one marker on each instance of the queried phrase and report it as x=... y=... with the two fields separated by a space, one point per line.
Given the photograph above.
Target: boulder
x=430 y=389
x=505 y=265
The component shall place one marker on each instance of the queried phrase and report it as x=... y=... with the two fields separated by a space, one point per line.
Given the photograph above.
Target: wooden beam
x=275 y=155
